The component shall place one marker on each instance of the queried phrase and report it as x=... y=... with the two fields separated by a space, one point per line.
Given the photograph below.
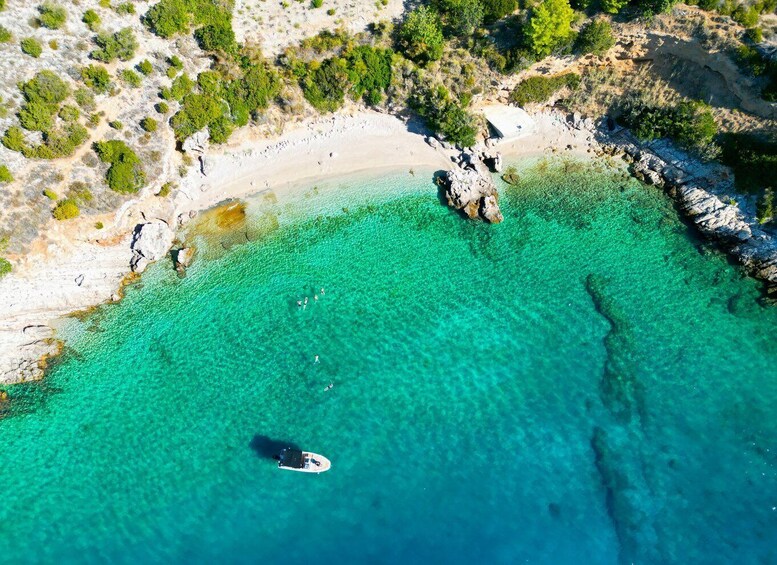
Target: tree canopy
x=550 y=25
x=420 y=36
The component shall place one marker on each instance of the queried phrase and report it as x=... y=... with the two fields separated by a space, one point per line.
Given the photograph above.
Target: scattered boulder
x=182 y=259
x=470 y=188
x=197 y=143
x=150 y=242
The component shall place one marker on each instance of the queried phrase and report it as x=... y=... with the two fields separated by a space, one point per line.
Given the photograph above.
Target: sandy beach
x=78 y=268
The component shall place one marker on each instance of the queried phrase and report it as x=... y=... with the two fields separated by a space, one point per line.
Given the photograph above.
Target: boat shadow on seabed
x=268 y=448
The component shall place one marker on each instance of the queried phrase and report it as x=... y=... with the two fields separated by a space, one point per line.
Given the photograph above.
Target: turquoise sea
x=585 y=383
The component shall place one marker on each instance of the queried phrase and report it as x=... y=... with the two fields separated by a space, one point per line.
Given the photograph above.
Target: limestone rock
x=470 y=188
x=182 y=258
x=150 y=242
x=197 y=143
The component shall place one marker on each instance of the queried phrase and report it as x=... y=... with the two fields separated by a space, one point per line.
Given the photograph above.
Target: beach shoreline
x=75 y=268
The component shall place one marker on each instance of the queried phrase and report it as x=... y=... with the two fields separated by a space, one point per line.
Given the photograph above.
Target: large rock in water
x=151 y=241
x=469 y=187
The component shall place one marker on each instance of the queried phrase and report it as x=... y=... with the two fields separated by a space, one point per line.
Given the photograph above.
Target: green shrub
x=754 y=161
x=538 y=89
x=5 y=267
x=446 y=116
x=79 y=191
x=50 y=194
x=116 y=124
x=420 y=35
x=330 y=12
x=613 y=6
x=5 y=35
x=125 y=9
x=37 y=116
x=145 y=67
x=52 y=15
x=549 y=27
x=494 y=10
x=121 y=45
x=689 y=123
x=217 y=37
x=182 y=85
x=166 y=189
x=765 y=206
x=125 y=175
x=369 y=71
x=316 y=3
x=324 y=84
x=251 y=93
x=197 y=112
x=754 y=35
x=31 y=46
x=97 y=78
x=175 y=62
x=595 y=37
x=168 y=18
x=5 y=174
x=84 y=98
x=460 y=17
x=162 y=108
x=91 y=19
x=69 y=113
x=66 y=209
x=149 y=124
x=45 y=87
x=13 y=139
x=748 y=17
x=131 y=78
x=709 y=5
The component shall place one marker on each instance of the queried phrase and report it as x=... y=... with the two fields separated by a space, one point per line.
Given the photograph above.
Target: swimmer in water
x=316 y=359
x=315 y=297
x=322 y=291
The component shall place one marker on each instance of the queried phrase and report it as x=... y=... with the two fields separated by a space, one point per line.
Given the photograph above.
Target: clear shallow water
x=581 y=383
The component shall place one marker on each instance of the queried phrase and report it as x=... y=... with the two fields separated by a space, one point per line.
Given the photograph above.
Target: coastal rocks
x=711 y=215
x=470 y=188
x=182 y=259
x=197 y=143
x=150 y=242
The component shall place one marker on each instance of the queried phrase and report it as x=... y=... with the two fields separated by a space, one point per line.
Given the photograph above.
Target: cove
x=586 y=381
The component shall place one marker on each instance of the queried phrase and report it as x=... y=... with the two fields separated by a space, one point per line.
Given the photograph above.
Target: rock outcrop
x=151 y=241
x=182 y=259
x=722 y=222
x=470 y=188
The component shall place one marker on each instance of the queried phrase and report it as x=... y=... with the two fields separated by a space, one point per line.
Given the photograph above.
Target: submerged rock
x=470 y=188
x=151 y=241
x=182 y=259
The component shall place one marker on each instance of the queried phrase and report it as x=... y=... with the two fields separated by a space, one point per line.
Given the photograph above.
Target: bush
x=116 y=124
x=217 y=37
x=538 y=89
x=754 y=161
x=324 y=84
x=754 y=35
x=97 y=78
x=5 y=174
x=765 y=206
x=316 y=3
x=166 y=189
x=162 y=108
x=52 y=16
x=125 y=9
x=446 y=116
x=330 y=12
x=50 y=194
x=689 y=123
x=131 y=78
x=121 y=45
x=251 y=93
x=175 y=62
x=37 y=116
x=168 y=18
x=69 y=113
x=31 y=46
x=420 y=36
x=197 y=112
x=13 y=139
x=45 y=87
x=125 y=175
x=748 y=17
x=709 y=4
x=5 y=35
x=369 y=71
x=613 y=6
x=149 y=124
x=79 y=191
x=595 y=37
x=5 y=267
x=84 y=98
x=91 y=19
x=550 y=26
x=66 y=209
x=494 y=10
x=460 y=17
x=145 y=67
